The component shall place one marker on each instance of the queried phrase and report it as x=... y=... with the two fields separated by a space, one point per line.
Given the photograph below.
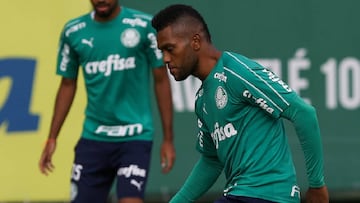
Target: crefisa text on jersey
x=113 y=63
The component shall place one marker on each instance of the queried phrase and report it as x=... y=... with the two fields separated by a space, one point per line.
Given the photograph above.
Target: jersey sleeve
x=67 y=60
x=154 y=55
x=260 y=87
x=304 y=118
x=204 y=174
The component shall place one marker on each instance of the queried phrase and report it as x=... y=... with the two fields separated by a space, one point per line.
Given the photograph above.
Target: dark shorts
x=240 y=199
x=97 y=164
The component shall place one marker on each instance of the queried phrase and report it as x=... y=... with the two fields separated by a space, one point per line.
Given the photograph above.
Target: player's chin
x=104 y=13
x=177 y=76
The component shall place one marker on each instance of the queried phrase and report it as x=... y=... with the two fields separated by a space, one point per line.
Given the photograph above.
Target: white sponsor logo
x=73 y=191
x=200 y=124
x=135 y=22
x=275 y=78
x=204 y=109
x=222 y=133
x=137 y=184
x=75 y=28
x=153 y=45
x=65 y=57
x=200 y=138
x=295 y=190
x=130 y=37
x=200 y=93
x=120 y=130
x=88 y=42
x=76 y=172
x=113 y=63
x=226 y=190
x=262 y=103
x=201 y=133
x=221 y=97
x=220 y=76
x=132 y=170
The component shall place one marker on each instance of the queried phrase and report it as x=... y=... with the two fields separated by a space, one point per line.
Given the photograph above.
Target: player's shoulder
x=76 y=24
x=238 y=60
x=235 y=63
x=134 y=13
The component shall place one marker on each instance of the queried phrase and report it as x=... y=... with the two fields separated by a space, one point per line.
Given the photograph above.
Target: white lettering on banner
x=342 y=81
x=222 y=133
x=113 y=63
x=183 y=93
x=120 y=130
x=272 y=64
x=131 y=170
x=295 y=66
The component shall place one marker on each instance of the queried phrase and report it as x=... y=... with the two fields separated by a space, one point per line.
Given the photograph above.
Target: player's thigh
x=133 y=169
x=92 y=176
x=131 y=200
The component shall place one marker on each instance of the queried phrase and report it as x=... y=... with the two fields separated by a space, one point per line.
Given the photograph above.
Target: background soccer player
x=117 y=50
x=239 y=108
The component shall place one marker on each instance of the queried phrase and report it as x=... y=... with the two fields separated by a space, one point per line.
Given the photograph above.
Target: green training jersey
x=116 y=59
x=238 y=108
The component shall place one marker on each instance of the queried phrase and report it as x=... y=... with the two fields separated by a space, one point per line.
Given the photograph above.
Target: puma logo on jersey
x=88 y=42
x=136 y=184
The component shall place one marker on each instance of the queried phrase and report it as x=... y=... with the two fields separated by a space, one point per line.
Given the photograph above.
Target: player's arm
x=268 y=92
x=304 y=118
x=206 y=170
x=286 y=103
x=67 y=67
x=164 y=102
x=202 y=177
x=63 y=102
x=64 y=99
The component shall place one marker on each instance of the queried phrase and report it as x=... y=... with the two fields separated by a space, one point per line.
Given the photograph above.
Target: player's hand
x=167 y=156
x=45 y=163
x=317 y=195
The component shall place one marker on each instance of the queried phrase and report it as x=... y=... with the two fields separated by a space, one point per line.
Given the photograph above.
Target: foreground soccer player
x=116 y=48
x=239 y=108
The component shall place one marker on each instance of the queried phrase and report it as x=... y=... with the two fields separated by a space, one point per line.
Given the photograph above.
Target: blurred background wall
x=312 y=45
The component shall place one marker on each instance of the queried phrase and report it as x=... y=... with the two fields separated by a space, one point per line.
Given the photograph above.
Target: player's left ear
x=195 y=43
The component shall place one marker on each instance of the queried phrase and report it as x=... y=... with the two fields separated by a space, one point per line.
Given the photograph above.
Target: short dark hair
x=174 y=13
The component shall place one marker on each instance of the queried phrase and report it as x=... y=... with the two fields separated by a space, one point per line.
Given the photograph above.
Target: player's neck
x=207 y=61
